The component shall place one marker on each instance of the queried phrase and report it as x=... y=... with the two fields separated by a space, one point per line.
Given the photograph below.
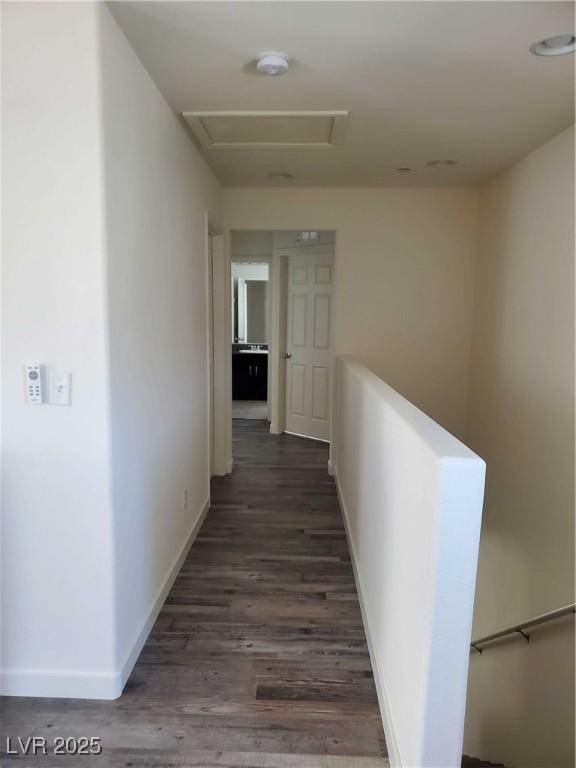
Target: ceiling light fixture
x=271 y=63
x=280 y=176
x=404 y=170
x=445 y=163
x=554 y=46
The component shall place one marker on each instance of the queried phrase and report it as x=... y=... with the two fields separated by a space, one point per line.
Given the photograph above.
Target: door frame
x=209 y=238
x=268 y=261
x=220 y=411
x=276 y=360
x=221 y=405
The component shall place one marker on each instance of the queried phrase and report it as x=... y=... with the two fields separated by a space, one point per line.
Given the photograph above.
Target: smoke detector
x=554 y=46
x=271 y=63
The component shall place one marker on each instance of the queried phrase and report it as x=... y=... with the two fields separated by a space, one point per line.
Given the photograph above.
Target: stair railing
x=520 y=629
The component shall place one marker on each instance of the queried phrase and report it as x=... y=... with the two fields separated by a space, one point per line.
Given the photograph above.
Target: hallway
x=260 y=646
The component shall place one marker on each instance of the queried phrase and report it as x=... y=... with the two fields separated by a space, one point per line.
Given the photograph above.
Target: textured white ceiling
x=422 y=80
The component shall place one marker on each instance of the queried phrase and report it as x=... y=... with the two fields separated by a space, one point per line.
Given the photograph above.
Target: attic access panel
x=253 y=130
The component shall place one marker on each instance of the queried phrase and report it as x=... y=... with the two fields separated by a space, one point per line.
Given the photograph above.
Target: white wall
x=521 y=708
x=250 y=271
x=253 y=243
x=412 y=500
x=157 y=190
x=404 y=274
x=104 y=263
x=57 y=591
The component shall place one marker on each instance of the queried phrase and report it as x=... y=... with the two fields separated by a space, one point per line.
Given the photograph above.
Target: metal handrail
x=519 y=628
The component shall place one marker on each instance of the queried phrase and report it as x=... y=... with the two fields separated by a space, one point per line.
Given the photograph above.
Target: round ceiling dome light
x=404 y=170
x=554 y=46
x=272 y=63
x=280 y=176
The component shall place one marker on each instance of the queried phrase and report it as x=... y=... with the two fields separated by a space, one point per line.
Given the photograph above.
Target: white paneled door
x=308 y=344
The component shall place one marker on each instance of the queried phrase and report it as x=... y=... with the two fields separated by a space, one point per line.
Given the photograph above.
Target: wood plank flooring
x=258 y=658
x=249 y=409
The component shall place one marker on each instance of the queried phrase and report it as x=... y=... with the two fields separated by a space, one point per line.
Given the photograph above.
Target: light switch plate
x=59 y=388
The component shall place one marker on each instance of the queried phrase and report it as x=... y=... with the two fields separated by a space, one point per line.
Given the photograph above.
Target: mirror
x=250 y=304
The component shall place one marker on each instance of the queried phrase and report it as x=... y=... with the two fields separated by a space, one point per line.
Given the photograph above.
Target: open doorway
x=251 y=255
x=281 y=326
x=250 y=339
x=272 y=364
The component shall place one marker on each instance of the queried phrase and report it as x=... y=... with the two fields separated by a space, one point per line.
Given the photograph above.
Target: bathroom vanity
x=249 y=372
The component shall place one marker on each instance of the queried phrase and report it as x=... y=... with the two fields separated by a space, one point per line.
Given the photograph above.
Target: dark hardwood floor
x=258 y=658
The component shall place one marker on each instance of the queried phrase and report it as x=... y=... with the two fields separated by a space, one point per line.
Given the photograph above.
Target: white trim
x=252 y=260
x=271 y=144
x=335 y=139
x=60 y=685
x=222 y=404
x=307 y=437
x=209 y=348
x=277 y=347
x=383 y=699
x=103 y=685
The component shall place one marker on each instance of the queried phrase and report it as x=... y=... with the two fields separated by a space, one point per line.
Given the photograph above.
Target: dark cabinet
x=249 y=376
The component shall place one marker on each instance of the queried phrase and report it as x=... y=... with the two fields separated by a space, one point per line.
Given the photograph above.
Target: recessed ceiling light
x=271 y=63
x=554 y=46
x=404 y=170
x=445 y=163
x=280 y=176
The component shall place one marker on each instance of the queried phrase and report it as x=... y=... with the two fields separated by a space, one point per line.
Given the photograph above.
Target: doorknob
x=287 y=355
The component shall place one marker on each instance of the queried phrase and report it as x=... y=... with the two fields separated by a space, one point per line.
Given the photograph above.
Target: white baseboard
x=307 y=437
x=224 y=469
x=383 y=698
x=141 y=637
x=103 y=685
x=331 y=468
x=60 y=685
